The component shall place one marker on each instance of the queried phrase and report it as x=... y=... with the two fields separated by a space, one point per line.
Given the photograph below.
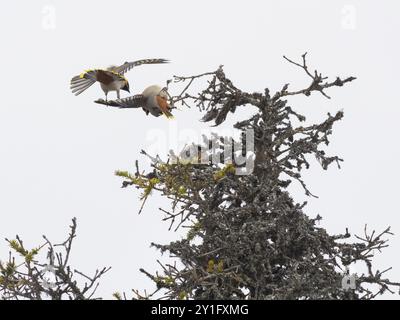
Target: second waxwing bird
x=110 y=79
x=153 y=100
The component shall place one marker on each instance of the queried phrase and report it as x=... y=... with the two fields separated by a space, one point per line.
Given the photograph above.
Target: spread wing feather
x=129 y=65
x=135 y=101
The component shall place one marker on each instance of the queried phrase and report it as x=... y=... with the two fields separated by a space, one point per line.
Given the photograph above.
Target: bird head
x=126 y=86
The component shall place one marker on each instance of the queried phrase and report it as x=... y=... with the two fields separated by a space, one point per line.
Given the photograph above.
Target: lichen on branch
x=247 y=238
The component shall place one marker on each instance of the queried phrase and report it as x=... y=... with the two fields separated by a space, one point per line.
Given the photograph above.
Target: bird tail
x=83 y=81
x=168 y=114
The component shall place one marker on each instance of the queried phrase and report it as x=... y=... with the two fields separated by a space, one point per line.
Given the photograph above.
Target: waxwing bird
x=153 y=100
x=110 y=79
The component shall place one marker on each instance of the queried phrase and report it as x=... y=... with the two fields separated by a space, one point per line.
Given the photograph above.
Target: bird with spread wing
x=153 y=100
x=110 y=79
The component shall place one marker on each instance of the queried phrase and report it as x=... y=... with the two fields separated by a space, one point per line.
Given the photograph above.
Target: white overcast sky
x=58 y=152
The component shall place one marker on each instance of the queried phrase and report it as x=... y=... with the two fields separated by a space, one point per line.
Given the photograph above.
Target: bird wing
x=135 y=101
x=129 y=65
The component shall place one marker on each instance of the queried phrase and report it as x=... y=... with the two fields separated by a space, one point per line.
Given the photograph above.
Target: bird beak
x=126 y=88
